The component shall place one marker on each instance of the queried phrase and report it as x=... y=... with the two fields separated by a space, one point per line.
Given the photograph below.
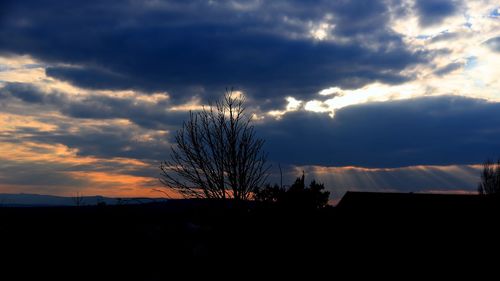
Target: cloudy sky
x=378 y=95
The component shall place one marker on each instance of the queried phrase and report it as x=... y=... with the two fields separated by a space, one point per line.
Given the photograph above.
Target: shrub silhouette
x=296 y=196
x=270 y=194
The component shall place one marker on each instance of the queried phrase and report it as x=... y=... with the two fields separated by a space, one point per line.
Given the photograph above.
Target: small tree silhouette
x=313 y=196
x=490 y=178
x=296 y=196
x=216 y=153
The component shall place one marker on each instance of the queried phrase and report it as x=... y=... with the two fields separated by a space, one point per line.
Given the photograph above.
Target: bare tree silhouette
x=216 y=153
x=490 y=178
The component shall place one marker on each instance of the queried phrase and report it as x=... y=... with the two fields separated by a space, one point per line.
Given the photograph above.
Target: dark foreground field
x=155 y=241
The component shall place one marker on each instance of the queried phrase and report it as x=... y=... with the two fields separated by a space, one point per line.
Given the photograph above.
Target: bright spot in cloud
x=293 y=104
x=319 y=34
x=321 y=31
x=330 y=91
x=371 y=93
x=317 y=106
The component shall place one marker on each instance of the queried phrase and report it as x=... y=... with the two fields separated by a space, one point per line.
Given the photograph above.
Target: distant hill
x=38 y=200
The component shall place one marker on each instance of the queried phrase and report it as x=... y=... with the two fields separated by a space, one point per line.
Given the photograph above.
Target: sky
x=371 y=95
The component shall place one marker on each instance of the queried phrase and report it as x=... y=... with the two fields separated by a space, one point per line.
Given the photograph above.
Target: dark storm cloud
x=424 y=131
x=93 y=78
x=147 y=115
x=108 y=143
x=101 y=141
x=178 y=45
x=493 y=44
x=151 y=116
x=432 y=12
